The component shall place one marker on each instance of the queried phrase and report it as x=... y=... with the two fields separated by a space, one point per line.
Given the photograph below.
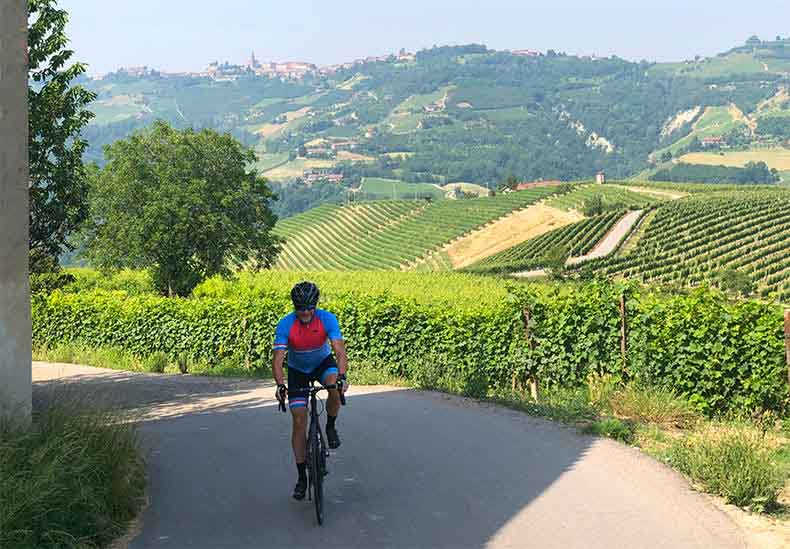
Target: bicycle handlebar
x=316 y=390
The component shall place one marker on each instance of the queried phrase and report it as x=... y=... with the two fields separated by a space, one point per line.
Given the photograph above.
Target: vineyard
x=611 y=198
x=692 y=240
x=387 y=235
x=577 y=239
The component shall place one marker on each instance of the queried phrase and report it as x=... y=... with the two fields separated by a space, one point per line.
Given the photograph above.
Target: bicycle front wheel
x=317 y=469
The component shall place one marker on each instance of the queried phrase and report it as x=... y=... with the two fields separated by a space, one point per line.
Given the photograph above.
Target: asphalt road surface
x=416 y=469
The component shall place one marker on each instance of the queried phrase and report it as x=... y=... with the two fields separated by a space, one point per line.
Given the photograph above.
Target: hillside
x=687 y=240
x=693 y=240
x=387 y=235
x=471 y=114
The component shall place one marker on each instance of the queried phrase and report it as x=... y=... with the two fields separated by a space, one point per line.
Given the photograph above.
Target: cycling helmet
x=305 y=295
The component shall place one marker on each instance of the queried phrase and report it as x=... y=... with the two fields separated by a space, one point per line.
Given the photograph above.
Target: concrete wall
x=15 y=330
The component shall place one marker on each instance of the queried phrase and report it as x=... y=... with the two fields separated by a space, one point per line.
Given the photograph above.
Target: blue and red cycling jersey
x=307 y=344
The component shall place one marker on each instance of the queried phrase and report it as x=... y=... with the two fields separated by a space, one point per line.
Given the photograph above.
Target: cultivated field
x=387 y=235
x=777 y=158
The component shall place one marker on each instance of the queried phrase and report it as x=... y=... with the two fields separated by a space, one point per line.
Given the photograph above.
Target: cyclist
x=307 y=334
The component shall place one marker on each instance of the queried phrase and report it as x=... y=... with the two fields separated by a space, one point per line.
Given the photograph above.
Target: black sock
x=330 y=421
x=302 y=468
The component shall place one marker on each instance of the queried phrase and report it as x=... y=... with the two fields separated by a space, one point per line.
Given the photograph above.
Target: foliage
x=722 y=356
x=297 y=197
x=731 y=462
x=752 y=173
x=56 y=115
x=127 y=280
x=48 y=282
x=732 y=280
x=181 y=203
x=593 y=206
x=554 y=260
x=75 y=478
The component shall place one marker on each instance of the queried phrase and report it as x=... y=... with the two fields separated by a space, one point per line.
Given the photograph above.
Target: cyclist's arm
x=339 y=347
x=277 y=366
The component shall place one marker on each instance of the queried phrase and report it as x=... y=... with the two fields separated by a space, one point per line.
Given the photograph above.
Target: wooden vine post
x=534 y=387
x=623 y=333
x=787 y=343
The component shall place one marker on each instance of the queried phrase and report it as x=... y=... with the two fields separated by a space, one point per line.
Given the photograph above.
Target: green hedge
x=724 y=356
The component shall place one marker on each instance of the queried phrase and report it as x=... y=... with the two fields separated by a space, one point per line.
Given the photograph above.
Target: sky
x=186 y=35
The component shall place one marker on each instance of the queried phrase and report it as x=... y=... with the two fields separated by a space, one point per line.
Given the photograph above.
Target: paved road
x=416 y=469
x=609 y=242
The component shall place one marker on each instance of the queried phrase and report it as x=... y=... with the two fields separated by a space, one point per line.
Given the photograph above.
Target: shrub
x=50 y=281
x=72 y=479
x=721 y=356
x=732 y=462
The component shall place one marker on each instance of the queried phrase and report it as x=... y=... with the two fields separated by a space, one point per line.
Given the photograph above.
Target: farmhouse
x=713 y=141
x=321 y=174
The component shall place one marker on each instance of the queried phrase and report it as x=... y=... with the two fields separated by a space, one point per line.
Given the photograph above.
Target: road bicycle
x=317 y=451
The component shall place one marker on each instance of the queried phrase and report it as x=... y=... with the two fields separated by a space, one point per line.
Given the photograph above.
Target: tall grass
x=74 y=478
x=731 y=461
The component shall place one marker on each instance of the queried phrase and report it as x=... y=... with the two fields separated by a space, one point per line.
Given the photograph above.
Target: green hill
x=468 y=113
x=387 y=235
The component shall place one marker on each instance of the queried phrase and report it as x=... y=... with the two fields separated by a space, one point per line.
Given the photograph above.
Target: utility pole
x=15 y=325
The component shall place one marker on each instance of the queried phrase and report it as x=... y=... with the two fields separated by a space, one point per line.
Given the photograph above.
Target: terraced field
x=578 y=239
x=611 y=198
x=387 y=235
x=692 y=240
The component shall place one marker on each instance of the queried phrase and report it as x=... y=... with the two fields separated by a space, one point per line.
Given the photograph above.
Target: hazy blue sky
x=188 y=34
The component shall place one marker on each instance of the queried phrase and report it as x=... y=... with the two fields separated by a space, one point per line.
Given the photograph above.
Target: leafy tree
x=554 y=261
x=732 y=280
x=56 y=113
x=593 y=205
x=181 y=203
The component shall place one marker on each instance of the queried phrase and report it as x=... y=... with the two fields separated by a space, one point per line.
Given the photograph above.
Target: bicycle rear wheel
x=317 y=472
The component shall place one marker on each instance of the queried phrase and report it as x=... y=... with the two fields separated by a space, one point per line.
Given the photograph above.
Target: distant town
x=286 y=70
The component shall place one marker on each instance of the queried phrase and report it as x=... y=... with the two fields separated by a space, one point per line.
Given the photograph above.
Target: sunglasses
x=308 y=309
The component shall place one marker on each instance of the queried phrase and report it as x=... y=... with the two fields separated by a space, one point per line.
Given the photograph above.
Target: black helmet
x=305 y=295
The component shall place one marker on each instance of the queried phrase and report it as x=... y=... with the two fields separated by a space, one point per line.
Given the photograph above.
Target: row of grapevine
x=611 y=198
x=692 y=240
x=388 y=234
x=578 y=239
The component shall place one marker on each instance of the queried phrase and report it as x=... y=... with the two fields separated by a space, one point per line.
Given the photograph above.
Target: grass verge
x=73 y=478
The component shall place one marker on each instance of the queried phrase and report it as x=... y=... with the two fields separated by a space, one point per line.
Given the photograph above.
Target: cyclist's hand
x=342 y=383
x=282 y=392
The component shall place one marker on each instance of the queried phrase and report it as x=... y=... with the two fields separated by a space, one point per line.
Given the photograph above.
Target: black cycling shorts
x=299 y=382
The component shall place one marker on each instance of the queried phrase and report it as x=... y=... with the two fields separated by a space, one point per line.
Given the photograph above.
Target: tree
x=56 y=114
x=182 y=204
x=554 y=261
x=593 y=205
x=732 y=280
